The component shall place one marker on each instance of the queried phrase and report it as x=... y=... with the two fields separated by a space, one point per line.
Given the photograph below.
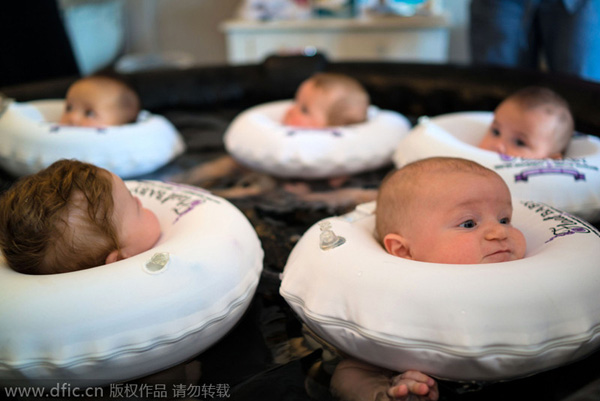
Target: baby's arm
x=358 y=381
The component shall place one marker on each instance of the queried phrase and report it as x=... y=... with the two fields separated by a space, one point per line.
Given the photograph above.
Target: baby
x=328 y=100
x=447 y=210
x=438 y=210
x=533 y=123
x=100 y=101
x=72 y=216
x=323 y=100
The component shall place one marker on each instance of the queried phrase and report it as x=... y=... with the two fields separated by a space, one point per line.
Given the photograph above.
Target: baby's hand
x=413 y=385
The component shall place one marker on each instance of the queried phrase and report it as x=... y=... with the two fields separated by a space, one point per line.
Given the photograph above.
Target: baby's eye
x=468 y=224
x=304 y=109
x=90 y=113
x=68 y=107
x=520 y=143
x=495 y=132
x=505 y=220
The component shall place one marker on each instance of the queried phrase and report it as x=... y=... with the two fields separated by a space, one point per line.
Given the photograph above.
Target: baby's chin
x=522 y=156
x=292 y=122
x=303 y=125
x=86 y=125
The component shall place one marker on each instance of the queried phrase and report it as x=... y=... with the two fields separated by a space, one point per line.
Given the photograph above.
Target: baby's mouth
x=502 y=255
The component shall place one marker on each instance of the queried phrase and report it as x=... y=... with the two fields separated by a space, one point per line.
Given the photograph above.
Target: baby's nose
x=499 y=146
x=65 y=120
x=289 y=115
x=497 y=231
x=70 y=119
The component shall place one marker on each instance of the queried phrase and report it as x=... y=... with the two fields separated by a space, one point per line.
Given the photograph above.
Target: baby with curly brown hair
x=72 y=216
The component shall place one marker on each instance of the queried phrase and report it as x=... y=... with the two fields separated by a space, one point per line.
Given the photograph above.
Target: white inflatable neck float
x=258 y=139
x=571 y=184
x=31 y=140
x=458 y=322
x=140 y=315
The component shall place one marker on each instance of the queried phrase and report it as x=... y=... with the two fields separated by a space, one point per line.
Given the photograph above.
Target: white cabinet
x=393 y=38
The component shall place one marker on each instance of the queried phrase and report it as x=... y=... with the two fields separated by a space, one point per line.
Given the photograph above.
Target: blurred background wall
x=193 y=27
x=54 y=38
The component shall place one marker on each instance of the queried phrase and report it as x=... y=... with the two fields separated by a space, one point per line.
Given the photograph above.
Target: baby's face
x=464 y=218
x=522 y=133
x=137 y=227
x=93 y=104
x=310 y=107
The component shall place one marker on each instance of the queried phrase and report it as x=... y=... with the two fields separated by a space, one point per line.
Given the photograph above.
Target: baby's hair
x=349 y=108
x=397 y=190
x=58 y=220
x=533 y=97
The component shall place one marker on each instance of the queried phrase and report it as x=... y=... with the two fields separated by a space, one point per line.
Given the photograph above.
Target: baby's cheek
x=485 y=142
x=154 y=223
x=289 y=117
x=521 y=244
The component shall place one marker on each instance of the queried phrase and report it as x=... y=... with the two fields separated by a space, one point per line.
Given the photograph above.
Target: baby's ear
x=113 y=257
x=397 y=245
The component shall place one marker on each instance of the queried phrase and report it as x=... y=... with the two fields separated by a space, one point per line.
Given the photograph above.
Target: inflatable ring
x=257 y=139
x=31 y=140
x=140 y=315
x=571 y=184
x=458 y=322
